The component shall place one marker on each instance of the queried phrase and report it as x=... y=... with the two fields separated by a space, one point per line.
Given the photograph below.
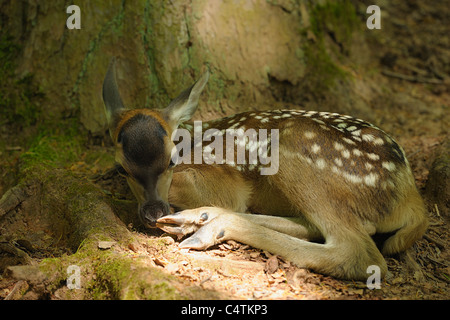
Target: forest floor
x=238 y=271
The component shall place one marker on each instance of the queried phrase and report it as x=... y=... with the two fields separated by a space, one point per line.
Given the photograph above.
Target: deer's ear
x=111 y=95
x=182 y=108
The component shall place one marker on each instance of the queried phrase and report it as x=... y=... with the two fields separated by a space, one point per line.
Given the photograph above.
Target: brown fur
x=339 y=181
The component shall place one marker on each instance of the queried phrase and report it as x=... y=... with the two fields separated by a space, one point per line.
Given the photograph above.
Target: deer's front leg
x=208 y=224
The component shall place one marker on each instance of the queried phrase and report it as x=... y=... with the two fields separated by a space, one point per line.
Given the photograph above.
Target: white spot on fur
x=318 y=121
x=352 y=177
x=390 y=166
x=351 y=128
x=338 y=161
x=309 y=134
x=338 y=146
x=378 y=142
x=368 y=137
x=349 y=141
x=315 y=148
x=373 y=156
x=357 y=152
x=346 y=154
x=320 y=163
x=371 y=179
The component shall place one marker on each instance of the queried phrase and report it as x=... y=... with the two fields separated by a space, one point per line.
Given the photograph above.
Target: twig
x=410 y=78
x=413 y=68
x=437 y=209
x=221 y=272
x=409 y=156
x=207 y=278
x=15 y=292
x=437 y=242
x=13 y=148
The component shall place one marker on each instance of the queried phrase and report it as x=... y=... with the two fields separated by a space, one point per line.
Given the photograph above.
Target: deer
x=339 y=182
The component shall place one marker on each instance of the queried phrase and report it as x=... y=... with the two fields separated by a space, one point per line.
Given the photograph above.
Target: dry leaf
x=271 y=265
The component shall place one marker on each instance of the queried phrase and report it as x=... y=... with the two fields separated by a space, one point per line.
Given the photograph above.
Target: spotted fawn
x=335 y=181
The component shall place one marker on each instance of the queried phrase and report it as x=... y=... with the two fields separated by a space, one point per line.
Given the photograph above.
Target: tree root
x=62 y=218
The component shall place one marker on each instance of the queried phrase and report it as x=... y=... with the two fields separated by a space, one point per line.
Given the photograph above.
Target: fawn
x=338 y=181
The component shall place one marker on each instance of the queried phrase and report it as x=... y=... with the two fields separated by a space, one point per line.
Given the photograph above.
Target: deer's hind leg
x=347 y=257
x=296 y=227
x=348 y=249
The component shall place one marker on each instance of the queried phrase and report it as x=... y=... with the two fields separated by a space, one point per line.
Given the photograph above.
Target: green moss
x=54 y=147
x=17 y=95
x=337 y=18
x=153 y=11
x=115 y=26
x=322 y=70
x=118 y=276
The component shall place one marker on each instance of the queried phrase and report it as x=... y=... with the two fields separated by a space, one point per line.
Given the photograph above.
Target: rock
x=28 y=273
x=104 y=245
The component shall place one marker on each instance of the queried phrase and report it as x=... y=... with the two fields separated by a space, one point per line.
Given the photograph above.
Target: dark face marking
x=142 y=139
x=145 y=158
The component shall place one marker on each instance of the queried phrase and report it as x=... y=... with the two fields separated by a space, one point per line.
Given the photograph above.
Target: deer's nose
x=152 y=211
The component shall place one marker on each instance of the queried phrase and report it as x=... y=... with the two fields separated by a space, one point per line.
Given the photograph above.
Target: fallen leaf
x=271 y=265
x=159 y=261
